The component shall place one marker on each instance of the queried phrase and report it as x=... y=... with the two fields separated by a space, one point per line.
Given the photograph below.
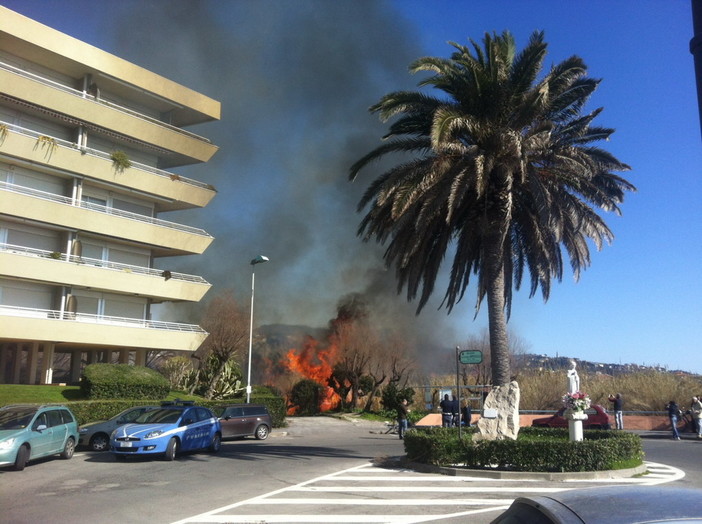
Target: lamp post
x=260 y=259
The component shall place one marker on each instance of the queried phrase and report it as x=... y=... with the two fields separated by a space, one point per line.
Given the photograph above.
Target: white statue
x=573 y=379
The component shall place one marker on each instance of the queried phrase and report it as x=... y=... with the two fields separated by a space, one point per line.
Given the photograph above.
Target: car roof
x=34 y=406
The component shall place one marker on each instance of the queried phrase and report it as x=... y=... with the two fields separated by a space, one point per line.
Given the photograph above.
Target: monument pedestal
x=575 y=424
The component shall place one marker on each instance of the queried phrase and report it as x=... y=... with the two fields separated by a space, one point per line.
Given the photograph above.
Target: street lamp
x=260 y=259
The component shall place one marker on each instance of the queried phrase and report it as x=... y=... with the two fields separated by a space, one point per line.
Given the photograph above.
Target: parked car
x=597 y=418
x=29 y=432
x=243 y=420
x=96 y=435
x=174 y=427
x=608 y=505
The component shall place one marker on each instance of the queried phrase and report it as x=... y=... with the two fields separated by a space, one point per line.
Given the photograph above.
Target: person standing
x=402 y=411
x=696 y=410
x=673 y=414
x=467 y=414
x=455 y=412
x=617 y=406
x=446 y=408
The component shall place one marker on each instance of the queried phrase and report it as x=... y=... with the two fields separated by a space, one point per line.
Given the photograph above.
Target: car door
x=251 y=419
x=40 y=440
x=198 y=432
x=206 y=423
x=58 y=430
x=231 y=421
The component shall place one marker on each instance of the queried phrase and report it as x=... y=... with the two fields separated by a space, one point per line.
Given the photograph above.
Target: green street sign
x=470 y=356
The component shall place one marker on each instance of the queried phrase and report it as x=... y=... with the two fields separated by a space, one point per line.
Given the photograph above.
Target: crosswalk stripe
x=423 y=489
x=392 y=502
x=443 y=478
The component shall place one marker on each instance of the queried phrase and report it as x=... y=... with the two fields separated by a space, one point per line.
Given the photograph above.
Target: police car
x=172 y=428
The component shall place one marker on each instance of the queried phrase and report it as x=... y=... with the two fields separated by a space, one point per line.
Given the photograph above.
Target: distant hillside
x=532 y=361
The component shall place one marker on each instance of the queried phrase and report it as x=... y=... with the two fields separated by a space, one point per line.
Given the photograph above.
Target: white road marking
x=403 y=481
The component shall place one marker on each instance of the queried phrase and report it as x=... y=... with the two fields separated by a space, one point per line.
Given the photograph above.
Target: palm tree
x=499 y=171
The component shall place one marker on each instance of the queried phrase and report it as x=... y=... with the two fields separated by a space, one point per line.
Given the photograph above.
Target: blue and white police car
x=172 y=428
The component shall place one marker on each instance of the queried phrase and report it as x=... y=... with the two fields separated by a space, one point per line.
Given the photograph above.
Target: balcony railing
x=106 y=156
x=14 y=188
x=80 y=94
x=139 y=270
x=25 y=312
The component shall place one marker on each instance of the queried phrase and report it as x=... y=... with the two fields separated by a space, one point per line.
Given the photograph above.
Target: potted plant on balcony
x=47 y=142
x=3 y=132
x=120 y=161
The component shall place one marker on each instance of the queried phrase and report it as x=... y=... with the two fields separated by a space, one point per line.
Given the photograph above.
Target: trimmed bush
x=306 y=397
x=536 y=449
x=122 y=381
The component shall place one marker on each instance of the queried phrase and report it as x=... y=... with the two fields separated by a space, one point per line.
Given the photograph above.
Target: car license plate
x=125 y=444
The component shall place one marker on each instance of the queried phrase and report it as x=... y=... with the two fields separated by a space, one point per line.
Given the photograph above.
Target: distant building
x=87 y=145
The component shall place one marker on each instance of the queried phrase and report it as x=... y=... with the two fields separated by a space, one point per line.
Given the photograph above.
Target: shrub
x=306 y=397
x=392 y=396
x=122 y=381
x=536 y=449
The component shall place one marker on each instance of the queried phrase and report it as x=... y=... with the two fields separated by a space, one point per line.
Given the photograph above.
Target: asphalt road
x=318 y=466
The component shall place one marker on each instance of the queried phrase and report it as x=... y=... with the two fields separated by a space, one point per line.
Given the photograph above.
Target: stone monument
x=500 y=417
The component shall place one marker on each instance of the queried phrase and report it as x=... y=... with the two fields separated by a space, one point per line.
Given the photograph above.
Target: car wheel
x=216 y=443
x=262 y=432
x=22 y=458
x=68 y=450
x=171 y=449
x=99 y=442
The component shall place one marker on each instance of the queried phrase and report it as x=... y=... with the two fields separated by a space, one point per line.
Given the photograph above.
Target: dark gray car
x=243 y=420
x=96 y=435
x=608 y=505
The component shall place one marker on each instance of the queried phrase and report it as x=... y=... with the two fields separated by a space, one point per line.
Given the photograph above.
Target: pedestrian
x=696 y=411
x=466 y=414
x=455 y=412
x=617 y=405
x=446 y=407
x=402 y=411
x=673 y=415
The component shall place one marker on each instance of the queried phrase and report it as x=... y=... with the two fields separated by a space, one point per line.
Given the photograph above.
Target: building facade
x=89 y=150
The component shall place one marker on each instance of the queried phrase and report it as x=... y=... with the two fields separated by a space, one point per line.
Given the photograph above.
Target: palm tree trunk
x=497 y=322
x=499 y=217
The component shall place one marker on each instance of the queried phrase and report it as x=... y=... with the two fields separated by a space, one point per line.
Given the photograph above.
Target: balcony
x=166 y=238
x=78 y=329
x=65 y=103
x=57 y=268
x=181 y=192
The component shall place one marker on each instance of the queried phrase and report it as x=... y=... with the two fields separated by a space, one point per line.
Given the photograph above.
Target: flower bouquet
x=577 y=401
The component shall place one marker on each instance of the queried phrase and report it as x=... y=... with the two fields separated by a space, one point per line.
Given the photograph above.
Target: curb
x=526 y=475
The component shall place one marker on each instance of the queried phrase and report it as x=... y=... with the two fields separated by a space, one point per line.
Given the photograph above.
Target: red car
x=597 y=418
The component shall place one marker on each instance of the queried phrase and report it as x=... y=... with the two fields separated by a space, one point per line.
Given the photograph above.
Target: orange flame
x=315 y=364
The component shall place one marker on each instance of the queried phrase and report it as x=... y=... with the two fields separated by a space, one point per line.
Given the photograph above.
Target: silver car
x=96 y=435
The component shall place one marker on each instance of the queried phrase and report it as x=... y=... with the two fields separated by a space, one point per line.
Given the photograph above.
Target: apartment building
x=90 y=145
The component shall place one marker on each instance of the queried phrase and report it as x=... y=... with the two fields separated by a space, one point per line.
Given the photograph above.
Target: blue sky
x=296 y=78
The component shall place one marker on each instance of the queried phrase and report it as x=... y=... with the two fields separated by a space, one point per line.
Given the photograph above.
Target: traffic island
x=536 y=450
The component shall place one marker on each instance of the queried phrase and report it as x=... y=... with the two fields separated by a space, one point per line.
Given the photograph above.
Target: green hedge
x=536 y=449
x=122 y=381
x=93 y=410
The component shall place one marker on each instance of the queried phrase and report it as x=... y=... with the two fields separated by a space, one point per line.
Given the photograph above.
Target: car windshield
x=159 y=416
x=16 y=419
